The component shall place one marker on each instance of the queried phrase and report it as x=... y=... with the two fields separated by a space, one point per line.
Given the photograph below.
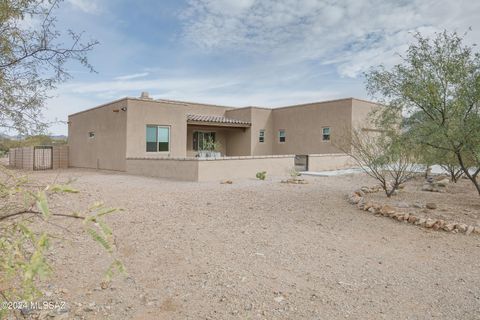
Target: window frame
x=157 y=126
x=280 y=131
x=211 y=133
x=329 y=134
x=261 y=136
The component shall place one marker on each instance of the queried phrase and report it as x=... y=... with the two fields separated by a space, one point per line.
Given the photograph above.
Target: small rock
x=431 y=205
x=461 y=227
x=449 y=227
x=436 y=225
x=359 y=193
x=367 y=205
x=226 y=182
x=476 y=230
x=421 y=222
x=354 y=198
x=469 y=230
x=387 y=210
x=443 y=182
x=365 y=189
x=279 y=299
x=412 y=219
x=90 y=307
x=429 y=223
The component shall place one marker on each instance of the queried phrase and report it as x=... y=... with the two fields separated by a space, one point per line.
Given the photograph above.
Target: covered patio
x=229 y=136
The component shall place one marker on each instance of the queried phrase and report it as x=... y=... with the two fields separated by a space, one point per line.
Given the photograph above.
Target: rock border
x=357 y=198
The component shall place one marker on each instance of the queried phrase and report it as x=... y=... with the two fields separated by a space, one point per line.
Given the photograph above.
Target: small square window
x=261 y=136
x=326 y=134
x=281 y=135
x=91 y=134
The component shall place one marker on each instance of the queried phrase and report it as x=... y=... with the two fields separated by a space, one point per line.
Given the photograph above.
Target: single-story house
x=166 y=138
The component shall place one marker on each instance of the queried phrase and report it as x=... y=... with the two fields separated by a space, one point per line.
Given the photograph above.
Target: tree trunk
x=472 y=177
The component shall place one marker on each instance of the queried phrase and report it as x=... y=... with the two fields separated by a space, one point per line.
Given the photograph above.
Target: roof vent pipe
x=145 y=96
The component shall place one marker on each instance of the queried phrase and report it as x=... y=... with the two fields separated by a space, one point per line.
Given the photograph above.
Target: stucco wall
x=188 y=169
x=144 y=112
x=262 y=119
x=361 y=111
x=239 y=142
x=107 y=149
x=246 y=168
x=185 y=170
x=326 y=162
x=303 y=126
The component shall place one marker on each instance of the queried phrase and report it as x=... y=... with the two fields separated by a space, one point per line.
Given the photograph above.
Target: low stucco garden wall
x=325 y=162
x=178 y=169
x=193 y=169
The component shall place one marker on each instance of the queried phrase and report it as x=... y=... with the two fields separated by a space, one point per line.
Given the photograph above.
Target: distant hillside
x=19 y=137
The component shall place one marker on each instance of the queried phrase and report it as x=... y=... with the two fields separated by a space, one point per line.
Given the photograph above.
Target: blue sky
x=243 y=52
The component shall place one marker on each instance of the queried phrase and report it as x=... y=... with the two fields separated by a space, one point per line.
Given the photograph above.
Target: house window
x=200 y=139
x=91 y=134
x=326 y=134
x=261 y=136
x=158 y=139
x=281 y=135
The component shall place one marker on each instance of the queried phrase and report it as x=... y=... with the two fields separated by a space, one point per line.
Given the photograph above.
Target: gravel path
x=259 y=250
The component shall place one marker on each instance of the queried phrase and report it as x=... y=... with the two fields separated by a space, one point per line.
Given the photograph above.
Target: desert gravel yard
x=257 y=250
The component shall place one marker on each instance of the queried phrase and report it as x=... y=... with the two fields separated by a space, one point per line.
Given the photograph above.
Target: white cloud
x=353 y=34
x=132 y=76
x=87 y=6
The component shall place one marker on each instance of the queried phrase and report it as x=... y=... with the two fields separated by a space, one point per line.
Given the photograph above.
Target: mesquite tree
x=33 y=54
x=435 y=91
x=384 y=155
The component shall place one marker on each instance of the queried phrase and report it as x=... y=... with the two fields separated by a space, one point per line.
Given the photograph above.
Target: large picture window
x=200 y=139
x=158 y=138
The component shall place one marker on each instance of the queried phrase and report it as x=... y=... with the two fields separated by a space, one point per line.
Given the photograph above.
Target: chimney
x=145 y=96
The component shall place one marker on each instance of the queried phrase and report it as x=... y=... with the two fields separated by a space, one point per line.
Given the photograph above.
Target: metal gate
x=42 y=158
x=301 y=163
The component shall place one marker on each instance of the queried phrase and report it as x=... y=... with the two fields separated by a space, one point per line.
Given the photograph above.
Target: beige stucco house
x=166 y=138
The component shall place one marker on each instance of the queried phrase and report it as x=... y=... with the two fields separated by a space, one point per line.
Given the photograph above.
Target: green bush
x=261 y=175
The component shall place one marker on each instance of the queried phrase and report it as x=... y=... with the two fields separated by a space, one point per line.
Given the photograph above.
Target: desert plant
x=293 y=173
x=385 y=156
x=25 y=214
x=211 y=145
x=261 y=175
x=436 y=89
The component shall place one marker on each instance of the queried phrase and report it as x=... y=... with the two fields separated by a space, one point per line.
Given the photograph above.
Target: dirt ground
x=260 y=250
x=460 y=203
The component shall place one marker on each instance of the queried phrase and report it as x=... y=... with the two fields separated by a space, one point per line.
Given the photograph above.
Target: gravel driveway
x=259 y=250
